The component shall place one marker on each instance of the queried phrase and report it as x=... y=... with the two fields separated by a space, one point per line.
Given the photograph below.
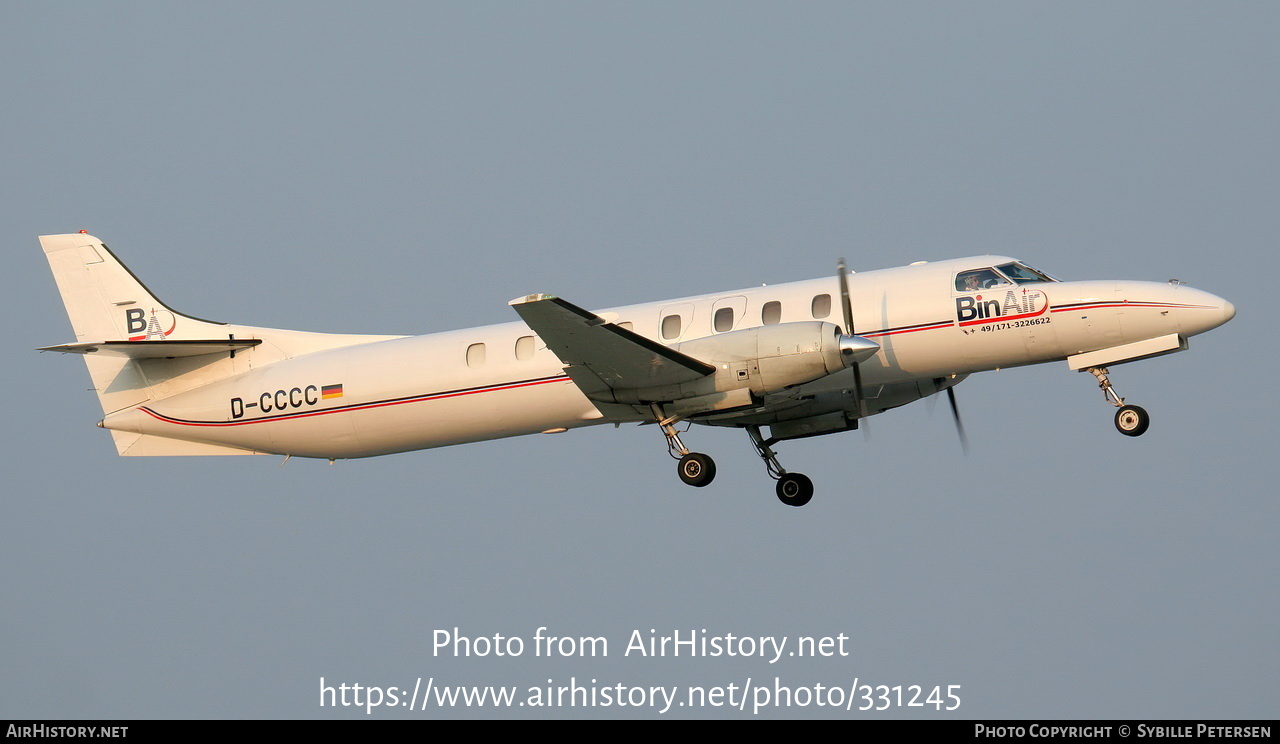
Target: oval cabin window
x=524 y=348
x=671 y=326
x=822 y=306
x=724 y=319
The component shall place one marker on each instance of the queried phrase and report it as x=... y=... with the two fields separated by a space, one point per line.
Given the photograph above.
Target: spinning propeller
x=847 y=306
x=955 y=413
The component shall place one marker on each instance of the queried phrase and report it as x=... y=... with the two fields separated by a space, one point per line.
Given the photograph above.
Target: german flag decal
x=331 y=391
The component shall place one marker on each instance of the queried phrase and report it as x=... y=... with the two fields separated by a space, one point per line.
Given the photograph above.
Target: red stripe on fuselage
x=1112 y=303
x=358 y=406
x=908 y=329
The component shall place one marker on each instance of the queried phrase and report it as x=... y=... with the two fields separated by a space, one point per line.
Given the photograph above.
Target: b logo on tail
x=139 y=327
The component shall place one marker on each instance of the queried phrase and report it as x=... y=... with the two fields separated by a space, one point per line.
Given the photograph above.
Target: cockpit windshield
x=1023 y=274
x=978 y=279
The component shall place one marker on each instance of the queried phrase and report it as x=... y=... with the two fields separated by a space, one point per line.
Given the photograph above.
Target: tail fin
x=106 y=301
x=133 y=344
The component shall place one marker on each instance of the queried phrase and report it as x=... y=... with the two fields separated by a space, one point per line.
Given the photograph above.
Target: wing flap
x=600 y=356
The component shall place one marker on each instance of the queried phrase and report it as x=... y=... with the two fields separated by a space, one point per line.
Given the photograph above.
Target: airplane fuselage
x=408 y=393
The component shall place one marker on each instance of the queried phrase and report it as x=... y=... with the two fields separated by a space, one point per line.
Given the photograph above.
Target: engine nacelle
x=755 y=362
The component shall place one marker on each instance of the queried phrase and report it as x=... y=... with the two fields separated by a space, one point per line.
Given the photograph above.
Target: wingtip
x=531 y=298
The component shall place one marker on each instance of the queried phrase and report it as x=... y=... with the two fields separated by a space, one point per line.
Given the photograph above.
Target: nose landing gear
x=1131 y=421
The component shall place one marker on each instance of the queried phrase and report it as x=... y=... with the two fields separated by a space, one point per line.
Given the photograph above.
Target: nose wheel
x=1131 y=421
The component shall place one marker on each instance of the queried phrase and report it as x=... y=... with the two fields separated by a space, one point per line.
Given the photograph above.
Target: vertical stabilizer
x=107 y=304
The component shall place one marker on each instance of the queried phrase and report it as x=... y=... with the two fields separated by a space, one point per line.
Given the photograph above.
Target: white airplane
x=803 y=359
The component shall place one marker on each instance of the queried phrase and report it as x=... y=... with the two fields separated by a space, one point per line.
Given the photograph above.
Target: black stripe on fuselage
x=422 y=397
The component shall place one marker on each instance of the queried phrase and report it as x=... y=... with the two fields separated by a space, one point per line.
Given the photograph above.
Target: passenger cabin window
x=724 y=320
x=771 y=313
x=524 y=348
x=671 y=327
x=977 y=280
x=822 y=306
x=475 y=355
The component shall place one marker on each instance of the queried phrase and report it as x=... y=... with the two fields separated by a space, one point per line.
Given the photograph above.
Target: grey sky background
x=410 y=167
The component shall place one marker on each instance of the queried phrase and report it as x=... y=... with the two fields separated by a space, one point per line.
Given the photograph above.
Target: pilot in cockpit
x=972 y=281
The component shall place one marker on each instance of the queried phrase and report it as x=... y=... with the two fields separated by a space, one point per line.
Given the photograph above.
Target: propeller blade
x=847 y=306
x=844 y=298
x=955 y=412
x=857 y=387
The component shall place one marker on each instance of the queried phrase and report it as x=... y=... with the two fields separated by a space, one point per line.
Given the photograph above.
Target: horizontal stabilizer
x=601 y=356
x=156 y=349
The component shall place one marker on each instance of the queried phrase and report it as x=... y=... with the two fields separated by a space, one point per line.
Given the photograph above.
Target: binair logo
x=1016 y=303
x=156 y=327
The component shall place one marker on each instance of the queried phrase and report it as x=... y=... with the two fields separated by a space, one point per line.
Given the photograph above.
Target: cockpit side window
x=1023 y=274
x=978 y=279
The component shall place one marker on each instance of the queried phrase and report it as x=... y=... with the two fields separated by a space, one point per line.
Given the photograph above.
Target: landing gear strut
x=695 y=468
x=1132 y=421
x=794 y=489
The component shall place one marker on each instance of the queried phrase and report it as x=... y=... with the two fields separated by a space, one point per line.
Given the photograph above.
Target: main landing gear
x=1131 y=421
x=698 y=470
x=794 y=489
x=695 y=468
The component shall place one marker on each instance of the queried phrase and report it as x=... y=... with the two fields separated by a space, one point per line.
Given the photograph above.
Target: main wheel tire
x=795 y=489
x=696 y=469
x=1132 y=421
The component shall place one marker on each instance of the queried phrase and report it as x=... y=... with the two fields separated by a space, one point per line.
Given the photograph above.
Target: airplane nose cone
x=1200 y=311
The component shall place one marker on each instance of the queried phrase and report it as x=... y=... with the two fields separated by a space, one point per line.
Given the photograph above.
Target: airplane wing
x=598 y=355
